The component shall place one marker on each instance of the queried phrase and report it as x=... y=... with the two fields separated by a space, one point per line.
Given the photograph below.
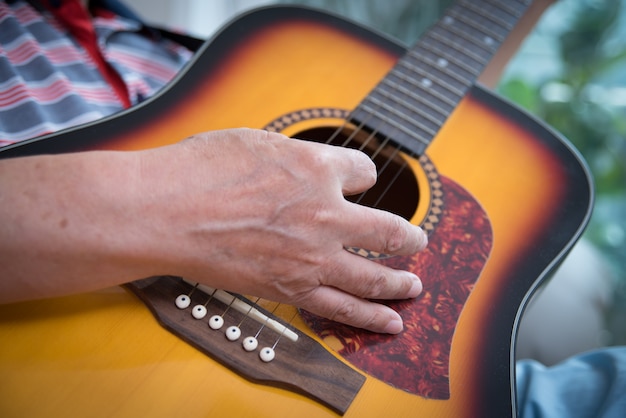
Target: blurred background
x=571 y=73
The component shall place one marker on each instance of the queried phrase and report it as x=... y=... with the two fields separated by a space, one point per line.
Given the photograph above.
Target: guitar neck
x=416 y=97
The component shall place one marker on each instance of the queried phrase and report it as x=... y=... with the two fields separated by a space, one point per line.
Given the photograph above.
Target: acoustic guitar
x=502 y=197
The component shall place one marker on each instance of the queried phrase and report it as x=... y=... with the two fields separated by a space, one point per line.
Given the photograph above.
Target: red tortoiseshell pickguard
x=417 y=360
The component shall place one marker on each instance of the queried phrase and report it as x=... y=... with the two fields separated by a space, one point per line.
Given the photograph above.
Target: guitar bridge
x=300 y=364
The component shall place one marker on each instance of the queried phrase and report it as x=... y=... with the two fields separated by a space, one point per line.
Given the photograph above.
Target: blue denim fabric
x=589 y=385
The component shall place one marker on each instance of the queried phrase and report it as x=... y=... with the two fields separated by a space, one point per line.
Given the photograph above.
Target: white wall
x=197 y=17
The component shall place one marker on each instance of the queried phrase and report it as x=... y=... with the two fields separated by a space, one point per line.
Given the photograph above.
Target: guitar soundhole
x=396 y=190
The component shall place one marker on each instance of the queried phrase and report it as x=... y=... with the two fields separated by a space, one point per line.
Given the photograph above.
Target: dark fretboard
x=413 y=101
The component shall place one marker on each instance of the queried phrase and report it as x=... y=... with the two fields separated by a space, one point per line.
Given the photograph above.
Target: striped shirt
x=59 y=67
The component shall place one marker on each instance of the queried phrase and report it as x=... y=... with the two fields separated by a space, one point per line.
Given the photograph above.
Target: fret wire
x=394 y=124
x=365 y=143
x=390 y=122
x=433 y=92
x=486 y=18
x=452 y=74
x=400 y=114
x=371 y=135
x=447 y=43
x=514 y=9
x=430 y=76
x=359 y=128
x=463 y=35
x=437 y=73
x=375 y=154
x=352 y=135
x=397 y=87
x=426 y=84
x=409 y=106
x=489 y=16
x=473 y=24
x=450 y=57
x=509 y=7
x=381 y=146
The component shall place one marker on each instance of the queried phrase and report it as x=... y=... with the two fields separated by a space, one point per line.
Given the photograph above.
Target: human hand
x=258 y=213
x=241 y=210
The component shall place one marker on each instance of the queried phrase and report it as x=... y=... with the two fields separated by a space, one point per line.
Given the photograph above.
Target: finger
x=381 y=231
x=367 y=279
x=338 y=306
x=356 y=172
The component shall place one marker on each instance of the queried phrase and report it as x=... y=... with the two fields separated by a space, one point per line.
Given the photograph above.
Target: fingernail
x=416 y=287
x=395 y=326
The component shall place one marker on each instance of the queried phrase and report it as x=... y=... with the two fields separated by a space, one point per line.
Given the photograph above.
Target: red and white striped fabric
x=60 y=67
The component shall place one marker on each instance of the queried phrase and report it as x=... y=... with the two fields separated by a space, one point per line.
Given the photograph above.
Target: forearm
x=65 y=224
x=242 y=210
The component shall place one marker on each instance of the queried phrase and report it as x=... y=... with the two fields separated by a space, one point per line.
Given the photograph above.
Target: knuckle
x=376 y=286
x=374 y=321
x=345 y=312
x=395 y=236
x=320 y=216
x=318 y=163
x=348 y=313
x=311 y=159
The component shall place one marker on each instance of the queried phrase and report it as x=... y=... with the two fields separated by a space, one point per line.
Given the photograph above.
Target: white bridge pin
x=183 y=301
x=250 y=344
x=216 y=322
x=233 y=333
x=267 y=354
x=198 y=311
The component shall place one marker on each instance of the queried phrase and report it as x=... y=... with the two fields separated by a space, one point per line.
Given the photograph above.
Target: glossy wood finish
x=103 y=353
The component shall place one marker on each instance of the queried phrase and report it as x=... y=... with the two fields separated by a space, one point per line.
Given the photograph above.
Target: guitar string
x=216 y=320
x=252 y=305
x=247 y=314
x=290 y=322
x=205 y=304
x=373 y=133
x=263 y=325
x=352 y=138
x=191 y=292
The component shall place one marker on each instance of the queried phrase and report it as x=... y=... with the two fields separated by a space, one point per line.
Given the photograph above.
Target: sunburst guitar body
x=502 y=198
